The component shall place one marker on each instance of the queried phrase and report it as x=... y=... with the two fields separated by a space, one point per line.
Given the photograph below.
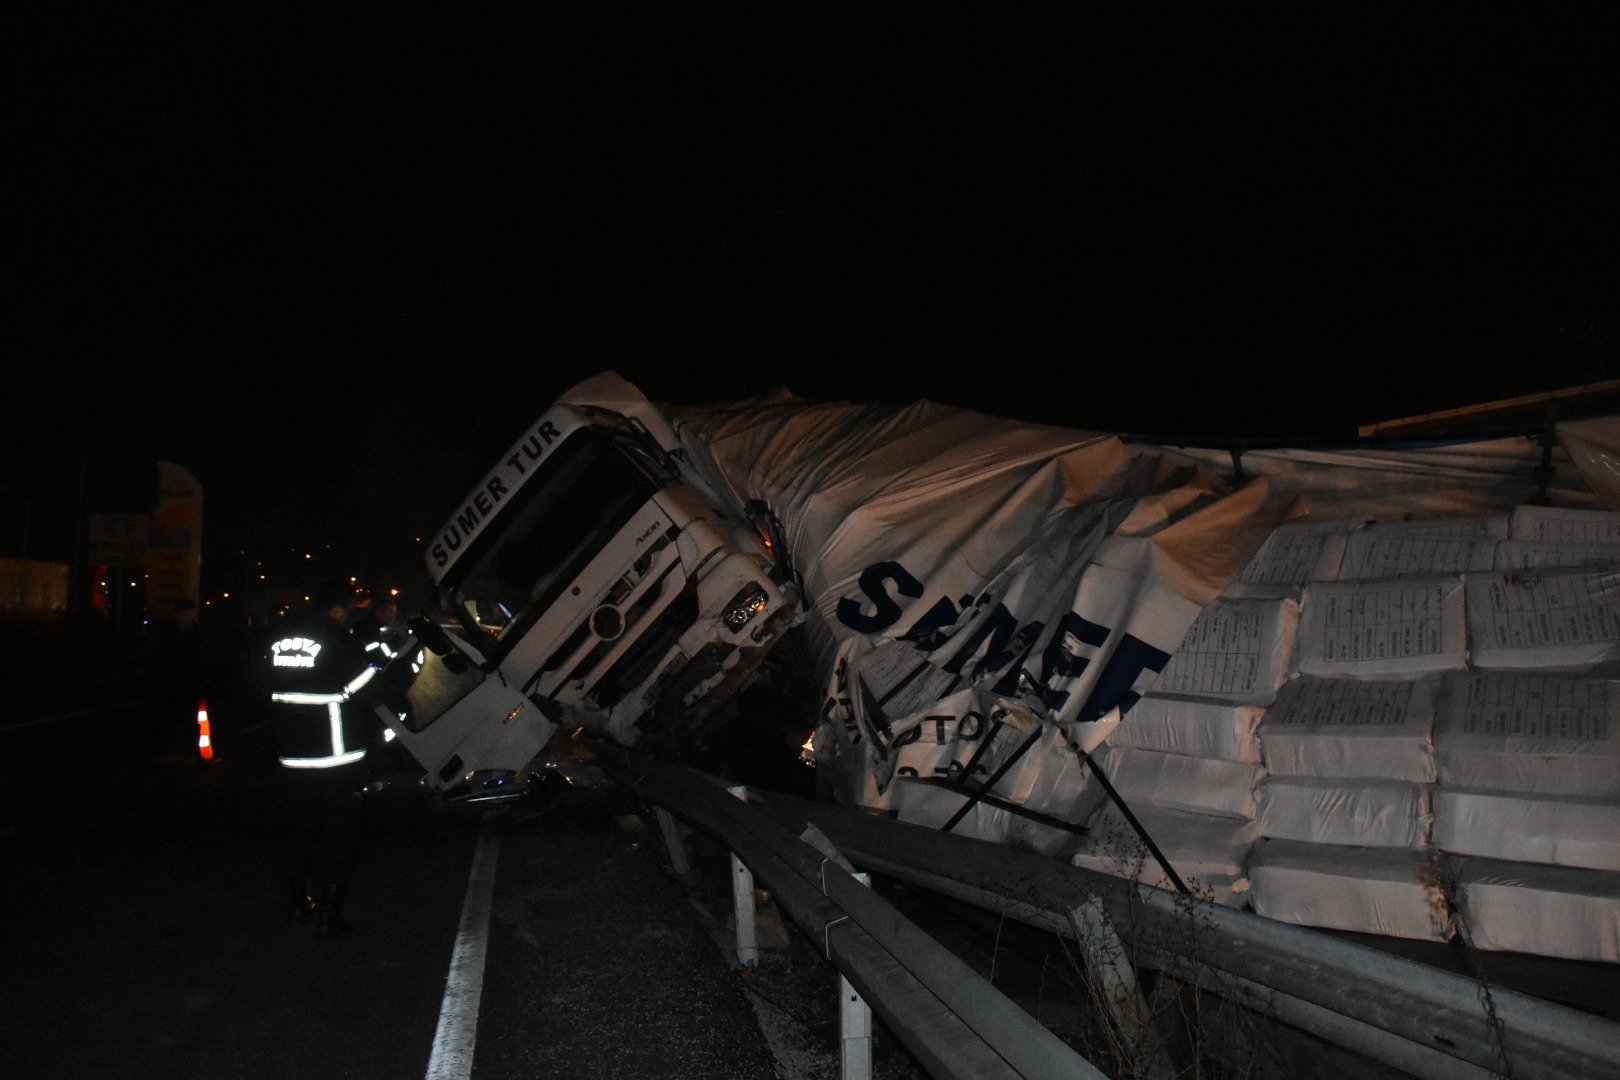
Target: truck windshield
x=585 y=490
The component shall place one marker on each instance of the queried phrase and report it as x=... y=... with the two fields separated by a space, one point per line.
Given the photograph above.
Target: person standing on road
x=315 y=668
x=384 y=633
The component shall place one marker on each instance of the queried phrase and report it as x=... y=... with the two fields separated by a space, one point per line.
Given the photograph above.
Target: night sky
x=334 y=262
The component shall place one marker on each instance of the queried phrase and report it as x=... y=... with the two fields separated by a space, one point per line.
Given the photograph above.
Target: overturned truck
x=591 y=581
x=1369 y=687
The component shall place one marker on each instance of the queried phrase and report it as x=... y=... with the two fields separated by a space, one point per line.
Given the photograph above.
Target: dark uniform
x=380 y=630
x=384 y=634
x=315 y=668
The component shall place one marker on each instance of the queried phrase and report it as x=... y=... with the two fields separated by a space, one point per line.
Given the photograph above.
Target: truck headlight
x=744 y=606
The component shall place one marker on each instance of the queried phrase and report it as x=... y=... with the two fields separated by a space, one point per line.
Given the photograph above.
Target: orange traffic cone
x=205 y=738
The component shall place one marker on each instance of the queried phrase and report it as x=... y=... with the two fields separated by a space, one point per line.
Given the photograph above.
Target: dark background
x=333 y=261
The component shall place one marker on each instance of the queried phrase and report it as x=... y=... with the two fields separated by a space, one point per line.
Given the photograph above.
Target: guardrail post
x=854 y=1024
x=1116 y=986
x=672 y=841
x=945 y=1012
x=742 y=895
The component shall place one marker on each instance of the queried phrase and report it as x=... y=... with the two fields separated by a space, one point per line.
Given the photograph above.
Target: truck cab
x=591 y=583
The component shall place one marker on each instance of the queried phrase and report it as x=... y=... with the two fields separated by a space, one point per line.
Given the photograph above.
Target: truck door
x=473 y=734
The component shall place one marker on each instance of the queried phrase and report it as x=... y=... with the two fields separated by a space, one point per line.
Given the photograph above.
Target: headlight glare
x=744 y=606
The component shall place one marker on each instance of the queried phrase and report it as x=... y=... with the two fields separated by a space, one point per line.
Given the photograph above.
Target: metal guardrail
x=1409 y=1015
x=955 y=1023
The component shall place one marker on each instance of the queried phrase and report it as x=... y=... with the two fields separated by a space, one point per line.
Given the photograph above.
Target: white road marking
x=452 y=1056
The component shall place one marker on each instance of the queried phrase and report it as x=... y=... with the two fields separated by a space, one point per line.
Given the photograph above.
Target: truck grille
x=654 y=604
x=641 y=659
x=633 y=618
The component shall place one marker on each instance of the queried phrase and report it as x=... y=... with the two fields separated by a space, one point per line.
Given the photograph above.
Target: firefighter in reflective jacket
x=317 y=671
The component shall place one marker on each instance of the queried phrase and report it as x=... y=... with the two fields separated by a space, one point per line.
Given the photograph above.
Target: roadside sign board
x=117 y=539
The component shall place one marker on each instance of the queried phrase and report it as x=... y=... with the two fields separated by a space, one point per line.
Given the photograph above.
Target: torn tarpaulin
x=989 y=598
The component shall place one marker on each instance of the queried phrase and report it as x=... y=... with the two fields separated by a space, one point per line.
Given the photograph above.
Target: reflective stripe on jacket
x=315 y=666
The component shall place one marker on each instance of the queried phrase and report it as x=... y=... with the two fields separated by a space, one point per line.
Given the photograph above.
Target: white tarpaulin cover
x=1052 y=568
x=988 y=600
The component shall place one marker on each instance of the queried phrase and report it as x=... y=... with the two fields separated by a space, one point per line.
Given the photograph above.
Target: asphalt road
x=144 y=935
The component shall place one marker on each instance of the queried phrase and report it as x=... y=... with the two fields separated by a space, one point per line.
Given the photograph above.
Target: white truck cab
x=592 y=584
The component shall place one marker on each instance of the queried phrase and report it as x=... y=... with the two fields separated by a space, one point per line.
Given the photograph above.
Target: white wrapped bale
x=1353 y=813
x=1381 y=630
x=1554 y=734
x=1549 y=620
x=1565 y=525
x=1209 y=729
x=1178 y=782
x=1541 y=910
x=1294 y=554
x=1551 y=555
x=1551 y=829
x=1236 y=650
x=1351 y=728
x=1450 y=527
x=1360 y=889
x=1382 y=553
x=1208 y=853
